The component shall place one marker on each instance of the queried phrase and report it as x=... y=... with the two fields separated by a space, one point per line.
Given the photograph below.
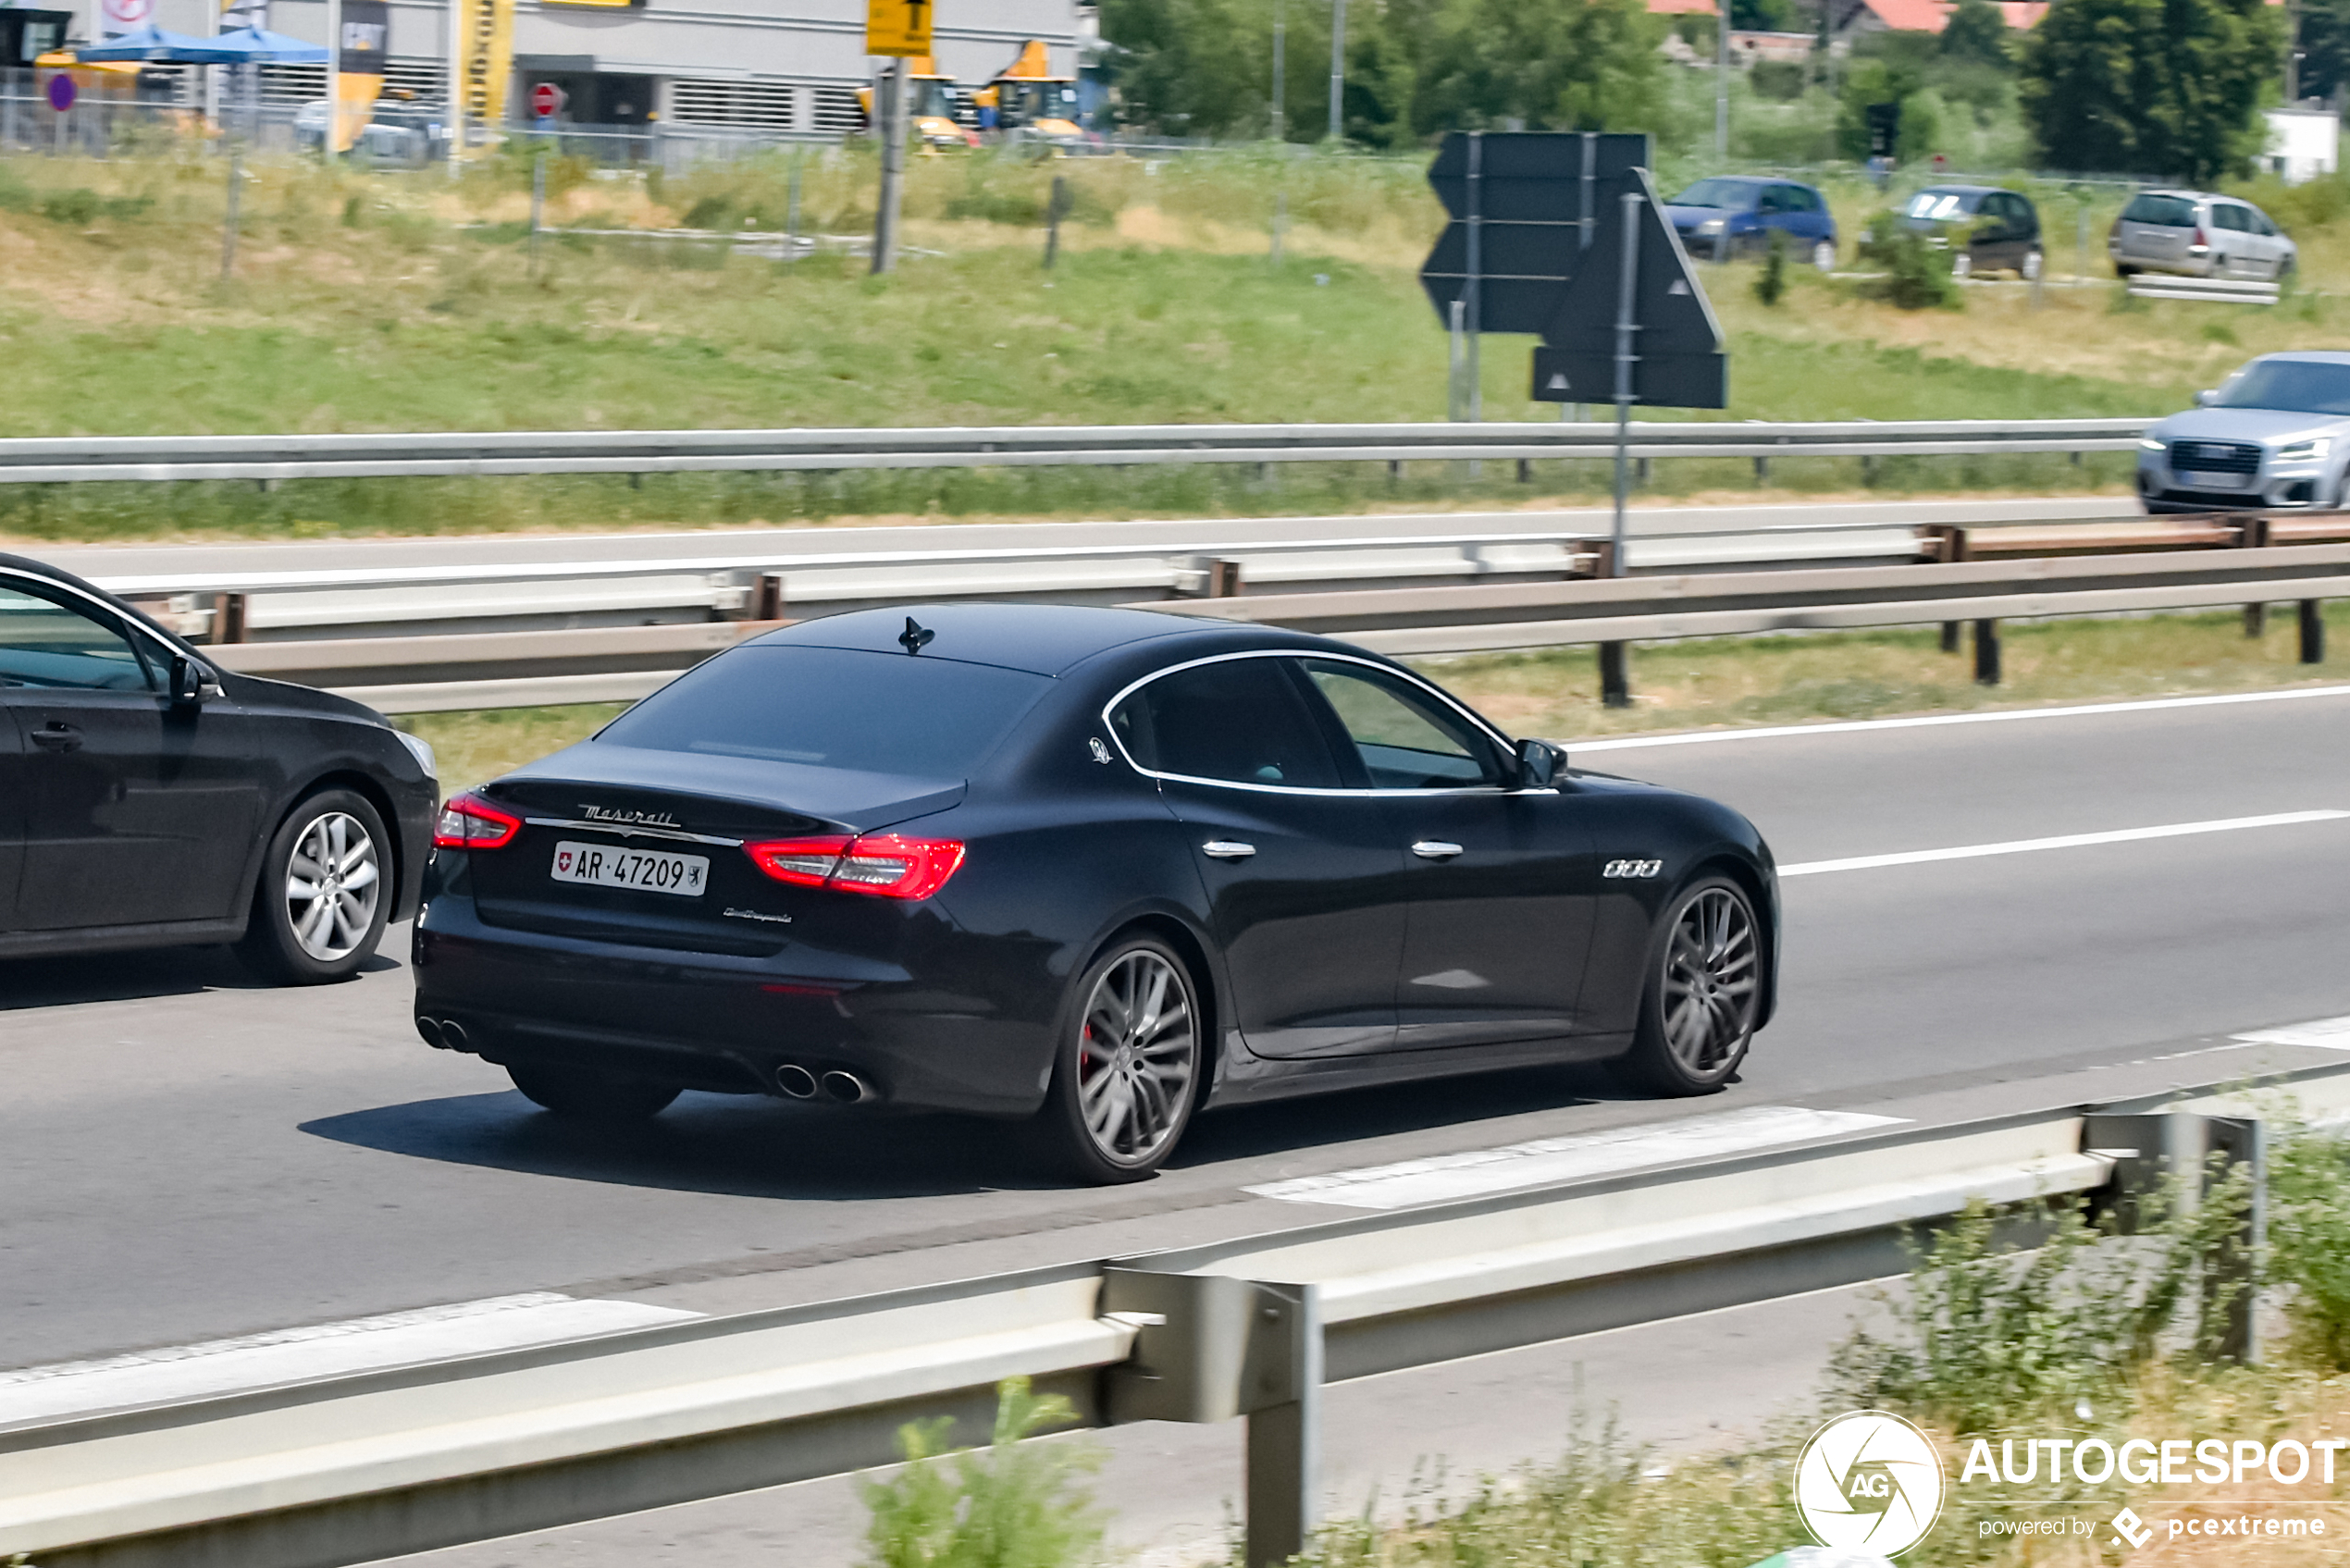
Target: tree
x=1549 y=65
x=2163 y=88
x=1975 y=31
x=1191 y=68
x=1763 y=16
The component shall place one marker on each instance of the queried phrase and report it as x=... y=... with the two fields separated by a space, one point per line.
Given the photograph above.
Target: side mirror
x=191 y=682
x=2206 y=399
x=1539 y=763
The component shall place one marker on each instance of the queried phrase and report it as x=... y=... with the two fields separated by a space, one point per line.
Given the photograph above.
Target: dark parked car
x=1986 y=229
x=1101 y=868
x=148 y=799
x=1734 y=215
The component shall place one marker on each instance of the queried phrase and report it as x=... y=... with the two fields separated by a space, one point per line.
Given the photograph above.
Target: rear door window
x=914 y=715
x=2168 y=212
x=2227 y=215
x=1235 y=721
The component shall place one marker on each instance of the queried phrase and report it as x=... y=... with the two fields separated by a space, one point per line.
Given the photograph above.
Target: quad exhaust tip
x=795 y=1081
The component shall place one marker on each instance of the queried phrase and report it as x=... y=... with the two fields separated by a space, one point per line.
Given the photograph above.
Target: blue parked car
x=1734 y=214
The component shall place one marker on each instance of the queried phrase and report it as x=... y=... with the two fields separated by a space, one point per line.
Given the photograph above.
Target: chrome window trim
x=1495 y=791
x=634 y=830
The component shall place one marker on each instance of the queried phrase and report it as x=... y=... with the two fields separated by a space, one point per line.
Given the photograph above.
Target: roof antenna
x=916 y=637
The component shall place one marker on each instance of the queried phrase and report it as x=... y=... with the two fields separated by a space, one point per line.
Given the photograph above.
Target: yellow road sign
x=898 y=27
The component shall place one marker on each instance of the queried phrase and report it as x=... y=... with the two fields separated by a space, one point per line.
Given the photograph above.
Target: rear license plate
x=2214 y=481
x=647 y=870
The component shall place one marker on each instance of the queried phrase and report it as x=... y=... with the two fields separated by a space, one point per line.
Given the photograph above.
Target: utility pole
x=1721 y=82
x=2292 y=53
x=1337 y=70
x=890 y=122
x=1277 y=87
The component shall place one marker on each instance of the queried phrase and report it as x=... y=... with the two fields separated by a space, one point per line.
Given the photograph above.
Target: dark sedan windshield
x=2298 y=386
x=1735 y=194
x=908 y=714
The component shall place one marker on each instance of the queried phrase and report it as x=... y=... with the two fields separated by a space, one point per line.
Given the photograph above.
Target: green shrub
x=1780 y=79
x=1771 y=286
x=77 y=207
x=1917 y=275
x=1010 y=1505
x=2309 y=1241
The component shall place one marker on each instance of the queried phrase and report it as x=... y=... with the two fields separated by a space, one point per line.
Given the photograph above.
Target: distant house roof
x=1923 y=16
x=1682 y=9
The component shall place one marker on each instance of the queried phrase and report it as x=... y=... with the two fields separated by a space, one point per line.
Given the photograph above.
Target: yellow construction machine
x=1029 y=98
x=935 y=106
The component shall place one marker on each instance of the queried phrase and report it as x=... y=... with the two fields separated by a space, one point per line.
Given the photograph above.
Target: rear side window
x=2170 y=212
x=1239 y=721
x=908 y=714
x=2227 y=216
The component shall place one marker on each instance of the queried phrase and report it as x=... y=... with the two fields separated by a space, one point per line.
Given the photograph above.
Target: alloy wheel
x=332 y=884
x=1711 y=970
x=1136 y=1058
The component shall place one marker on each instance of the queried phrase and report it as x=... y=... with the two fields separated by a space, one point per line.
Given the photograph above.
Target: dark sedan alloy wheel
x=1125 y=1088
x=323 y=892
x=1698 y=1014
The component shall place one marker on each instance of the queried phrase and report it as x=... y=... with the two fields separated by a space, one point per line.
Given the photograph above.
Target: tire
x=1823 y=255
x=2286 y=269
x=1128 y=1069
x=585 y=1094
x=2125 y=272
x=1704 y=983
x=306 y=928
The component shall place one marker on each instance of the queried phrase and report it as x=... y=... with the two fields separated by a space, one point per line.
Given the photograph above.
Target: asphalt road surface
x=184 y=1156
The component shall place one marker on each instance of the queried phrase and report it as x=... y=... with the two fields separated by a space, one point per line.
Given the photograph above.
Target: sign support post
x=900 y=29
x=330 y=148
x=1615 y=688
x=1476 y=271
x=1338 y=71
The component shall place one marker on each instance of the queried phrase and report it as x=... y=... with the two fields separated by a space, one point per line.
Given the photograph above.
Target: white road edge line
x=2324 y=1035
x=2064 y=841
x=1473 y=1173
x=2002 y=716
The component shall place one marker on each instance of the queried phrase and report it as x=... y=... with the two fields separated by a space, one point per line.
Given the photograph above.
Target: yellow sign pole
x=898 y=29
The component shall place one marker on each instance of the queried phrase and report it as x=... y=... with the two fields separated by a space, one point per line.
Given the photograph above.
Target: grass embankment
x=405 y=301
x=1730 y=681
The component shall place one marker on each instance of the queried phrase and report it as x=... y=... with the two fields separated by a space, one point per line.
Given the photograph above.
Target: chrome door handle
x=1435 y=849
x=1226 y=849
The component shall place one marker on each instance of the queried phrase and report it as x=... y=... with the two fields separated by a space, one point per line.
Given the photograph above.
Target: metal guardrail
x=1512 y=594
x=2214 y=290
x=277 y=458
x=351 y=1468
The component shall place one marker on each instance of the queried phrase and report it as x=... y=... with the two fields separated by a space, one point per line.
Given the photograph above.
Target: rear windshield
x=2299 y=385
x=834 y=708
x=1735 y=194
x=2170 y=212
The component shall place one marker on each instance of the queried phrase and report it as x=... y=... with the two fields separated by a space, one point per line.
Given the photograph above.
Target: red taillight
x=468 y=822
x=2200 y=244
x=883 y=864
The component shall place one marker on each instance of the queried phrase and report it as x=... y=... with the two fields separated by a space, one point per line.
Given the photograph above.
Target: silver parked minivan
x=2198 y=234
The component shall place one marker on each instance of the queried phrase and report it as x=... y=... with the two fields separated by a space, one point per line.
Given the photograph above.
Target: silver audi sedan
x=2275 y=433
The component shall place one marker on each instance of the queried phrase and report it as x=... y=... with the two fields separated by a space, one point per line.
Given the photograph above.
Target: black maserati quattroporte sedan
x=1097 y=868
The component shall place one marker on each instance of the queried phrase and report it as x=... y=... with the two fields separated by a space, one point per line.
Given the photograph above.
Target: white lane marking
x=1478 y=1171
x=2003 y=716
x=2325 y=1035
x=287 y=1356
x=2063 y=841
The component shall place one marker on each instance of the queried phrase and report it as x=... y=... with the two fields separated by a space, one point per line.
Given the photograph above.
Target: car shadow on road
x=752 y=1147
x=60 y=981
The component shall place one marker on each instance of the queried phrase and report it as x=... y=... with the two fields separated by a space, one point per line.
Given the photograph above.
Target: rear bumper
x=718 y=1022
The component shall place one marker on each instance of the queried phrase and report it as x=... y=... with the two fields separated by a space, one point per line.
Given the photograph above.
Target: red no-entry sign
x=546 y=100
